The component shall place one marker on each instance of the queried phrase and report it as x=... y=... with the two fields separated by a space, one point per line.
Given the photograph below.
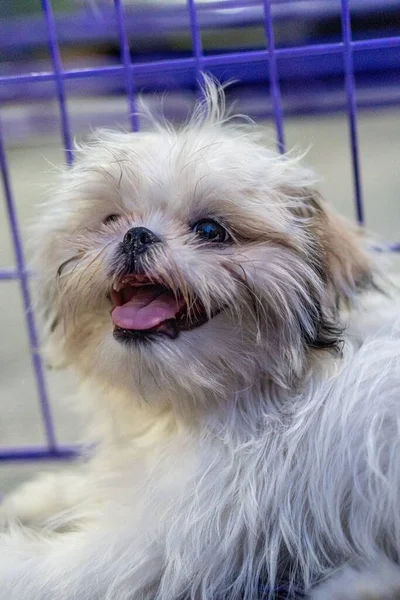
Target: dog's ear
x=345 y=264
x=46 y=300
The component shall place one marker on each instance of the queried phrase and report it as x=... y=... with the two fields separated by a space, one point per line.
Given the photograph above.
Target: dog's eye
x=211 y=231
x=110 y=219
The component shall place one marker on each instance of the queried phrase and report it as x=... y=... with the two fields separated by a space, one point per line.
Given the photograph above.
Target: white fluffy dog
x=242 y=387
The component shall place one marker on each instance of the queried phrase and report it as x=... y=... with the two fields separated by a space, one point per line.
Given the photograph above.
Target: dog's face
x=195 y=258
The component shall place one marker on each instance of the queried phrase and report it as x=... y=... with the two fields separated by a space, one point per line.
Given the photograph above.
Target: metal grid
x=197 y=63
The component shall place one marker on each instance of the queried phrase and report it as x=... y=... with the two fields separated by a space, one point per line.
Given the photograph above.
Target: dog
x=240 y=371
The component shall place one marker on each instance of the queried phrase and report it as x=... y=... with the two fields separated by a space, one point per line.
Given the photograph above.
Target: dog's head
x=197 y=258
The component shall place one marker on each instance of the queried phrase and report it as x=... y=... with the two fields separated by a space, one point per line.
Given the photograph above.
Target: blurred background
x=230 y=43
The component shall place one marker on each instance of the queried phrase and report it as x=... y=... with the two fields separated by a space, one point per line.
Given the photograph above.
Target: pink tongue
x=146 y=310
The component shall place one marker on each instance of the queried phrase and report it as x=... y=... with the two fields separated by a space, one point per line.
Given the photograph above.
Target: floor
x=32 y=169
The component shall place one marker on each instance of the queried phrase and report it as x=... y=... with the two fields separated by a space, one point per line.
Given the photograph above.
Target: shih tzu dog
x=241 y=372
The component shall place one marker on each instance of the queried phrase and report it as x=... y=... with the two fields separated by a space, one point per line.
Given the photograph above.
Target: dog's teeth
x=116 y=286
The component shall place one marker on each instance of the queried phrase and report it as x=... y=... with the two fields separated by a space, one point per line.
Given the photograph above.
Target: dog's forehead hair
x=183 y=173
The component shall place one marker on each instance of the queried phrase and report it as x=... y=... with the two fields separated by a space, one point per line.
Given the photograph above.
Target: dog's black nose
x=139 y=239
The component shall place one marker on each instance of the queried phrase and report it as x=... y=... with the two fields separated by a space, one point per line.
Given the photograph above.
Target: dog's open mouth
x=141 y=307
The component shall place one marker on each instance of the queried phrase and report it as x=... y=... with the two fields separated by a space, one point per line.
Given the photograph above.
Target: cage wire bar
x=55 y=55
x=351 y=106
x=198 y=62
x=126 y=60
x=22 y=276
x=273 y=75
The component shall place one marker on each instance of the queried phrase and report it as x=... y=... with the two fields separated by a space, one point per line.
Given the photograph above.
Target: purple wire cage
x=138 y=72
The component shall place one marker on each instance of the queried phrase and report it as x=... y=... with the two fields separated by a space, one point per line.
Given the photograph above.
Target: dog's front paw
x=4 y=520
x=38 y=500
x=375 y=583
x=10 y=516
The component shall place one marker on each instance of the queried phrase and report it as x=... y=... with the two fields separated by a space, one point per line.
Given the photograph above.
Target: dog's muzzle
x=142 y=305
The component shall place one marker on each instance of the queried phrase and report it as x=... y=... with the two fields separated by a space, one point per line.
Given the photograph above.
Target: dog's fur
x=259 y=449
